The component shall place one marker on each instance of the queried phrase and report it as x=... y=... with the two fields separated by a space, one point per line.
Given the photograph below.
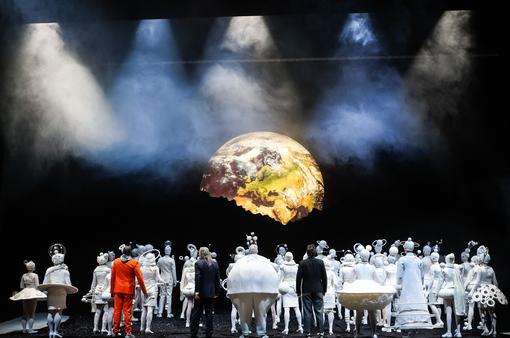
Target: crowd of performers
x=428 y=289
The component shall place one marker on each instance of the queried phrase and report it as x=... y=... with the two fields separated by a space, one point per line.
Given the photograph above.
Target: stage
x=81 y=326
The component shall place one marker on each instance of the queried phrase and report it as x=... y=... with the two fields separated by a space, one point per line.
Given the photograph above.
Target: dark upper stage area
x=30 y=11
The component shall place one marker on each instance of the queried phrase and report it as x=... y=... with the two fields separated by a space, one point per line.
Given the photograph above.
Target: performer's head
x=409 y=245
x=30 y=265
x=427 y=250
x=168 y=250
x=204 y=252
x=348 y=259
x=111 y=256
x=253 y=249
x=450 y=258
x=364 y=255
x=102 y=258
x=149 y=259
x=289 y=256
x=391 y=259
x=434 y=257
x=464 y=256
x=57 y=258
x=127 y=250
x=311 y=251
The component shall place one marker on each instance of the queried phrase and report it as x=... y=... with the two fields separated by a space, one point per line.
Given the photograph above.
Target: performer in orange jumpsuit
x=124 y=271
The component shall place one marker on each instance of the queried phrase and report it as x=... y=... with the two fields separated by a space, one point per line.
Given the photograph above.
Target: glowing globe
x=266 y=173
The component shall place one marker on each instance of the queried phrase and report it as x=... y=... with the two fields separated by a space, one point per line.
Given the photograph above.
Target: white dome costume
x=57 y=282
x=252 y=288
x=29 y=283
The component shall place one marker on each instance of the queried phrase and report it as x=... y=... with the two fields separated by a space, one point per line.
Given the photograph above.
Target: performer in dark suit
x=207 y=287
x=311 y=284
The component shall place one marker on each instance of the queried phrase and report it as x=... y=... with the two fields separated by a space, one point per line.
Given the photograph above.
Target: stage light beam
x=60 y=97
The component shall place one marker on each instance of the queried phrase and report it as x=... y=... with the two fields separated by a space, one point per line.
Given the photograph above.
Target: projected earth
x=266 y=173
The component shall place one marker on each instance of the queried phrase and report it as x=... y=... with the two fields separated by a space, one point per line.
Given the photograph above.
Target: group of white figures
x=372 y=286
x=160 y=278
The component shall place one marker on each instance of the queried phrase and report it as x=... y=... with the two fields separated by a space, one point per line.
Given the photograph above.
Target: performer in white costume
x=253 y=287
x=452 y=292
x=57 y=283
x=188 y=261
x=336 y=265
x=330 y=296
x=97 y=289
x=469 y=284
x=29 y=296
x=347 y=276
x=427 y=263
x=152 y=279
x=377 y=260
x=435 y=280
x=107 y=296
x=365 y=272
x=287 y=289
x=486 y=291
x=466 y=266
x=166 y=265
x=276 y=308
x=233 y=313
x=391 y=281
x=188 y=289
x=412 y=306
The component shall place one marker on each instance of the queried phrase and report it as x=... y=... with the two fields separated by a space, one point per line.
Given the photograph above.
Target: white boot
x=31 y=326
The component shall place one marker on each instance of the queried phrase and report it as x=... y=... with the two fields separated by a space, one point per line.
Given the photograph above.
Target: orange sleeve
x=112 y=279
x=139 y=277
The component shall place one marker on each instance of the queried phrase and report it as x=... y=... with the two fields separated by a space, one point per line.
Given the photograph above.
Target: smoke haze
x=154 y=116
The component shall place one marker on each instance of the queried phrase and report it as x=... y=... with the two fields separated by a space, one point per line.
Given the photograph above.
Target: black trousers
x=196 y=314
x=313 y=302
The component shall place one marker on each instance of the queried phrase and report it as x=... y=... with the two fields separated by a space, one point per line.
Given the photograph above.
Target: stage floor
x=81 y=326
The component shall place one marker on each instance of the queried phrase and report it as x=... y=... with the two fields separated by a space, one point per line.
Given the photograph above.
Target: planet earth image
x=266 y=173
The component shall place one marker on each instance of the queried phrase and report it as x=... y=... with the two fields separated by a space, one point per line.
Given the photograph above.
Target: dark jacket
x=312 y=273
x=207 y=279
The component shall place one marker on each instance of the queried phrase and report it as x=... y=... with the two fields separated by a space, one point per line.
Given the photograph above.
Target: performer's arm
x=94 y=282
x=158 y=276
x=174 y=274
x=299 y=279
x=217 y=281
x=477 y=283
x=494 y=280
x=139 y=278
x=183 y=280
x=22 y=283
x=113 y=275
x=36 y=281
x=198 y=280
x=324 y=278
